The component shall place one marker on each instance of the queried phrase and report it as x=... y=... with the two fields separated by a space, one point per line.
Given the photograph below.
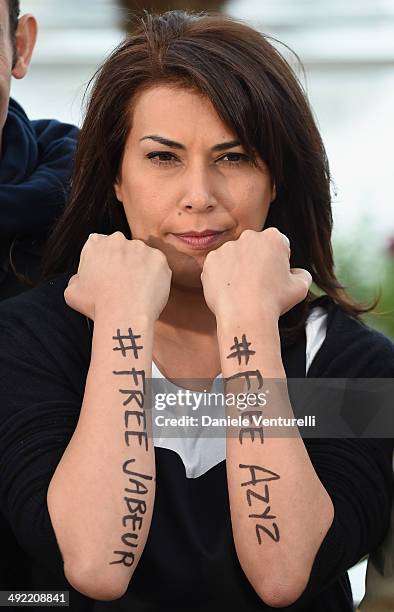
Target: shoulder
x=52 y=130
x=47 y=297
x=45 y=129
x=40 y=321
x=351 y=347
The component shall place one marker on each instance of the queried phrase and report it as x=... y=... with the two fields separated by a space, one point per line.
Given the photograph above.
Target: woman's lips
x=201 y=242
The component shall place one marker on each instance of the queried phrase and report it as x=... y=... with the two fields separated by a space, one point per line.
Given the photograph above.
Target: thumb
x=72 y=279
x=303 y=275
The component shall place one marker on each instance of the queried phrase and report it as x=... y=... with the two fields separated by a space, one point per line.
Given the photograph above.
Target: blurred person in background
x=160 y=6
x=35 y=164
x=35 y=161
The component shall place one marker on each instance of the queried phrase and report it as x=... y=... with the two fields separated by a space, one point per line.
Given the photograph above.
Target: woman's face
x=194 y=183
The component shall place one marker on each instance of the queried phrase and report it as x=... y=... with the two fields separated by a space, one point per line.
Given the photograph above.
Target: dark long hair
x=255 y=93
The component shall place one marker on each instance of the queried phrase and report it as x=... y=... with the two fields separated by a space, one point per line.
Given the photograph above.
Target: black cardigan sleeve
x=356 y=472
x=39 y=411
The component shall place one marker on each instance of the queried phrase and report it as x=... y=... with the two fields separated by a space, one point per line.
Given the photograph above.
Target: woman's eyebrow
x=177 y=145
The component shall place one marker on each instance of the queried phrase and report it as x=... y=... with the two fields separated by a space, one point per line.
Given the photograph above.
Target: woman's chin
x=191 y=280
x=186 y=267
x=186 y=270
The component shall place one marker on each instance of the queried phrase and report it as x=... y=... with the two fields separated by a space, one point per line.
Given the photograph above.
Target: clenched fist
x=253 y=272
x=113 y=268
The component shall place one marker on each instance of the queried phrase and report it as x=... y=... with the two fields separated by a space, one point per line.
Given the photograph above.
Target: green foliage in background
x=365 y=271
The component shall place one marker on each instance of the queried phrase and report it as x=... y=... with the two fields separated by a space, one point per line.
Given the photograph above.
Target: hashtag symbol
x=241 y=349
x=133 y=345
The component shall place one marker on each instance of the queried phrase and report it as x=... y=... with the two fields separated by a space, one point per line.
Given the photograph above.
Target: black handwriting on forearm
x=259 y=474
x=135 y=498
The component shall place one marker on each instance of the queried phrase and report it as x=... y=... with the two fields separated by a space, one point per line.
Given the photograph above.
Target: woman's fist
x=252 y=273
x=113 y=268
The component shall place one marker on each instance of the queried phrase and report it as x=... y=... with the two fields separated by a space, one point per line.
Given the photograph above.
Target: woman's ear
x=25 y=39
x=273 y=192
x=118 y=190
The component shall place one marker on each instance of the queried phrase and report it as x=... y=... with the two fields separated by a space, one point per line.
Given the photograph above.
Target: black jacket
x=35 y=168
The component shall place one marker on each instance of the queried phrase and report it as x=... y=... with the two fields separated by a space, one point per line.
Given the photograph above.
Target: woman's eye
x=157 y=157
x=241 y=158
x=159 y=162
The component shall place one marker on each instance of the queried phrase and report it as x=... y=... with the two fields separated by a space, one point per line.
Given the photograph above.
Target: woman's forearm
x=101 y=496
x=280 y=511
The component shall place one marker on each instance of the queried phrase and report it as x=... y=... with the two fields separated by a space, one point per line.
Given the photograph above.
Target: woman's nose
x=199 y=191
x=198 y=204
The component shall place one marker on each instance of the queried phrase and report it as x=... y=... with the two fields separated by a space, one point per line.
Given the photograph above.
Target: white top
x=199 y=454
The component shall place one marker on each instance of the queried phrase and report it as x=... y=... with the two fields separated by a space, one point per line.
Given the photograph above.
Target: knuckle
x=118 y=234
x=248 y=232
x=138 y=243
x=272 y=231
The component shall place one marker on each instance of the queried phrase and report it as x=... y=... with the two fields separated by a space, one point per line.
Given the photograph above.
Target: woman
x=199 y=214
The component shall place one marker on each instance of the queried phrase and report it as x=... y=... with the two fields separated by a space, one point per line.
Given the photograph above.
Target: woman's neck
x=186 y=317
